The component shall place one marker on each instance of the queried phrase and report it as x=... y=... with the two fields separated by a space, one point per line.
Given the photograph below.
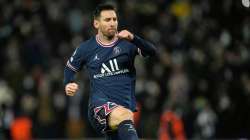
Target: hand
x=71 y=89
x=125 y=34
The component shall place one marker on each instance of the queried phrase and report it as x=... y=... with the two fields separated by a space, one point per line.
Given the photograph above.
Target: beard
x=110 y=34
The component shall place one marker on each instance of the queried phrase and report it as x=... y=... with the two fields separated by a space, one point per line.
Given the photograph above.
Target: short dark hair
x=102 y=7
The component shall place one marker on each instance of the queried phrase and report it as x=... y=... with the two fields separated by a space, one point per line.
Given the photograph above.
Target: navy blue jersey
x=111 y=69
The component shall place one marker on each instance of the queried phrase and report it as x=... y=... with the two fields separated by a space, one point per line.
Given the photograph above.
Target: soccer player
x=109 y=58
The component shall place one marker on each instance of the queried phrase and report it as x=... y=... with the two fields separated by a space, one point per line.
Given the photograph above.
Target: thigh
x=118 y=115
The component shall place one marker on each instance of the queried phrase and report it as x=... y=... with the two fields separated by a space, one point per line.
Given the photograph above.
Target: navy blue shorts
x=98 y=116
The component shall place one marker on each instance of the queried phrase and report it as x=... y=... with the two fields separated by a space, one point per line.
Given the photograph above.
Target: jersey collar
x=111 y=44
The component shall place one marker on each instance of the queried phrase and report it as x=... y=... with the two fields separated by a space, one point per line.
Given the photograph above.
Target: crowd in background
x=197 y=87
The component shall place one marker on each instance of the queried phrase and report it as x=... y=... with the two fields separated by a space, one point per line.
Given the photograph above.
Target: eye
x=107 y=19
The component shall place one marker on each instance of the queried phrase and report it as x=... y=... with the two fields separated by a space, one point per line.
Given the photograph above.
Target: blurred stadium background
x=198 y=87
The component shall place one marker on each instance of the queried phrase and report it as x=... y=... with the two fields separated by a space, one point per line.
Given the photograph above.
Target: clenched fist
x=71 y=89
x=125 y=34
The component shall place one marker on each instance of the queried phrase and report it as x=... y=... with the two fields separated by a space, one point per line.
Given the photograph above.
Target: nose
x=112 y=23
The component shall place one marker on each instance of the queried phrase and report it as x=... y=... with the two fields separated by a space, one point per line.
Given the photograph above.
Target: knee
x=119 y=115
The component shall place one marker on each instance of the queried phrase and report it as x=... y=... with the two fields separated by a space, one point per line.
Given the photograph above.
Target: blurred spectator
x=21 y=129
x=171 y=126
x=206 y=120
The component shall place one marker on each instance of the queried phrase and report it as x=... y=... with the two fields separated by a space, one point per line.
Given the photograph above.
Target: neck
x=105 y=39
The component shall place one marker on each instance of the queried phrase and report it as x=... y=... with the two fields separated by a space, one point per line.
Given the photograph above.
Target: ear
x=96 y=24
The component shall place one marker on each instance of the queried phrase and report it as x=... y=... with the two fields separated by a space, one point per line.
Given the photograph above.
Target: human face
x=107 y=24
